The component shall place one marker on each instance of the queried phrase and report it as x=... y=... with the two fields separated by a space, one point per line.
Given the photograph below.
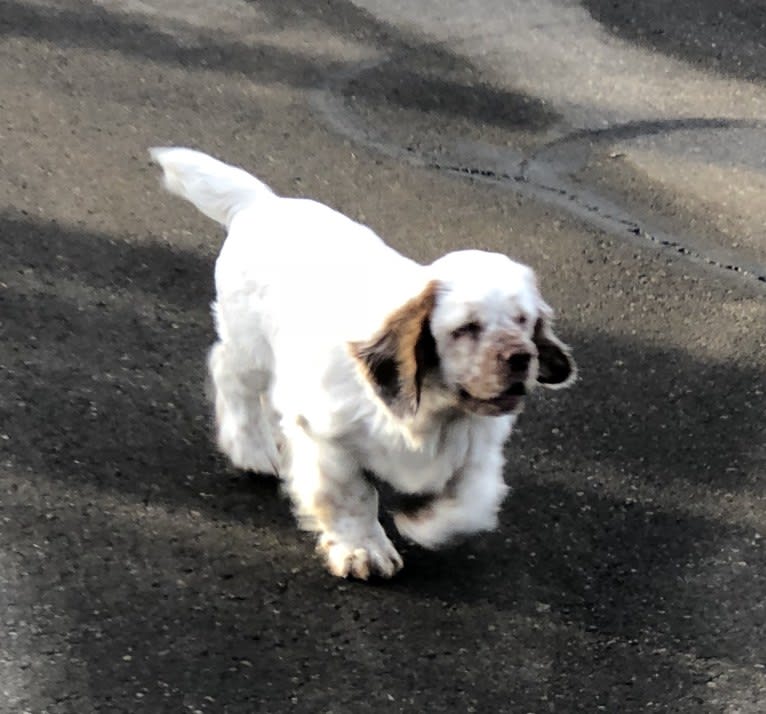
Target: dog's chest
x=423 y=469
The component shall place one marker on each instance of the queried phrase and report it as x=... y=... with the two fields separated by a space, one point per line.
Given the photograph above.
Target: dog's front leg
x=333 y=497
x=469 y=504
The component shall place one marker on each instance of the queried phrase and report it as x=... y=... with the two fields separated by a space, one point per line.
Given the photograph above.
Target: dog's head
x=479 y=332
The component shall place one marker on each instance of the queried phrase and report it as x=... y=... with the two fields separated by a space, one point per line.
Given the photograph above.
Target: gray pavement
x=616 y=147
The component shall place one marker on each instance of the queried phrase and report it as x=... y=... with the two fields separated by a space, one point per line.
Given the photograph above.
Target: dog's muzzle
x=504 y=403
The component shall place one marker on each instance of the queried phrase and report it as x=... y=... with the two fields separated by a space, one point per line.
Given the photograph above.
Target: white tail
x=215 y=188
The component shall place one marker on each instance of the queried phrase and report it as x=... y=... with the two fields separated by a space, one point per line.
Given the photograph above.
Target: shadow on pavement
x=402 y=82
x=107 y=397
x=724 y=36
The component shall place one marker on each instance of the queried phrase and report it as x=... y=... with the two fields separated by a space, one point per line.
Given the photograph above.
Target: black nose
x=520 y=362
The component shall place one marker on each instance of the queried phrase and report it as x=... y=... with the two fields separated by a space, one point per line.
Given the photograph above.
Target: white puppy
x=338 y=358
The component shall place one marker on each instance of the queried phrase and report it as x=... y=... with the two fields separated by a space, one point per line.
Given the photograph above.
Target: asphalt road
x=616 y=147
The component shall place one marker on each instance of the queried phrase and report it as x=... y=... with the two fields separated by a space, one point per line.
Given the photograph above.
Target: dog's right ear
x=557 y=368
x=396 y=359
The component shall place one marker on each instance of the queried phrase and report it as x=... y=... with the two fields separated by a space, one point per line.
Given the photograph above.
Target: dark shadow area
x=569 y=602
x=724 y=36
x=173 y=278
x=98 y=29
x=419 y=74
x=389 y=85
x=620 y=569
x=658 y=412
x=112 y=391
x=401 y=82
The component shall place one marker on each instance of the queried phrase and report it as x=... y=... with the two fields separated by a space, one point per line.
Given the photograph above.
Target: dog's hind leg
x=247 y=427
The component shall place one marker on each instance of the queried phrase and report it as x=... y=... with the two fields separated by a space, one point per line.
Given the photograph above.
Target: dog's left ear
x=557 y=368
x=403 y=350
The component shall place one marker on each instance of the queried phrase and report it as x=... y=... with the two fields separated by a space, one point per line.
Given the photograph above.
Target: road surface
x=619 y=149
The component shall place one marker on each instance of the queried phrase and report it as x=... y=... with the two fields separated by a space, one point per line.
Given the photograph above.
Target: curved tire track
x=542 y=174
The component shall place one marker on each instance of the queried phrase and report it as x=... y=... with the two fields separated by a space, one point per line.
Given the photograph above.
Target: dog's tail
x=218 y=190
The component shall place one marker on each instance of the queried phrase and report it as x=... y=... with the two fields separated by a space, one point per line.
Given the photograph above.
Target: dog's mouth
x=505 y=402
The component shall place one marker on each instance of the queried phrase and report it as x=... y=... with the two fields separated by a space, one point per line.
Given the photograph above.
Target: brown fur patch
x=396 y=359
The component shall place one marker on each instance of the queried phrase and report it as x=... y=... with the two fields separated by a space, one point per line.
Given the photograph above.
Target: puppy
x=337 y=357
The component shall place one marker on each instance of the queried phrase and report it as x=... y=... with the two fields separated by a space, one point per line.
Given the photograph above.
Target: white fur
x=298 y=283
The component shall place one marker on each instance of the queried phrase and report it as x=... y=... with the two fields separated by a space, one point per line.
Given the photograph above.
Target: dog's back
x=283 y=250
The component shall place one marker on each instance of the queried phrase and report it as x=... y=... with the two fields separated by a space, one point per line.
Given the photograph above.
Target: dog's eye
x=470 y=329
x=521 y=320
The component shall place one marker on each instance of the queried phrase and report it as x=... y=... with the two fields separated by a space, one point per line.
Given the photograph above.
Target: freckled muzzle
x=500 y=383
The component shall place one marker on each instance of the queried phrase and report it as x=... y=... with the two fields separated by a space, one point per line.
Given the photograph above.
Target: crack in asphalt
x=539 y=173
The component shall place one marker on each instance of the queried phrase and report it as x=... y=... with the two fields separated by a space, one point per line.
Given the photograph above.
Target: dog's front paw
x=360 y=558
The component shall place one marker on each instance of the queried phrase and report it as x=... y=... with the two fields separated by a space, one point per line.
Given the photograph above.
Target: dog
x=338 y=358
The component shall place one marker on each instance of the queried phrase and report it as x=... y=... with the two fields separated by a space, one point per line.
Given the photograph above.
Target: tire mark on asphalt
x=541 y=174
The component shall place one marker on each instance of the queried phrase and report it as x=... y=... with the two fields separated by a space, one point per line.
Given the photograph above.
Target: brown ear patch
x=396 y=359
x=556 y=366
